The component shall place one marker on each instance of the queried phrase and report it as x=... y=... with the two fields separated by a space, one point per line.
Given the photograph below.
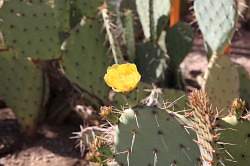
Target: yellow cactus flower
x=122 y=77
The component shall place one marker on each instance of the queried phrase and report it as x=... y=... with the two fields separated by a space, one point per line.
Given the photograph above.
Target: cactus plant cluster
x=215 y=121
x=84 y=39
x=223 y=80
x=29 y=30
x=78 y=34
x=222 y=141
x=157 y=55
x=37 y=31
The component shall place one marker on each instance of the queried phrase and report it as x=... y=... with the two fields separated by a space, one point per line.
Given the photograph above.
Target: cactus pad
x=151 y=62
x=62 y=15
x=244 y=84
x=129 y=33
x=236 y=137
x=85 y=59
x=217 y=21
x=88 y=8
x=150 y=136
x=221 y=82
x=143 y=8
x=30 y=28
x=150 y=11
x=22 y=88
x=179 y=40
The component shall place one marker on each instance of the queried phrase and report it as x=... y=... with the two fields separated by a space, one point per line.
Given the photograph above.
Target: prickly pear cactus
x=150 y=11
x=22 y=88
x=150 y=136
x=221 y=82
x=221 y=141
x=244 y=84
x=217 y=21
x=235 y=139
x=30 y=28
x=85 y=58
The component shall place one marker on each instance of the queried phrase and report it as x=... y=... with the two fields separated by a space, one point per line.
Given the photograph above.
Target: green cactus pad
x=22 y=87
x=129 y=34
x=143 y=8
x=151 y=62
x=62 y=15
x=30 y=28
x=244 y=84
x=84 y=9
x=221 y=82
x=236 y=137
x=153 y=137
x=88 y=8
x=217 y=21
x=179 y=40
x=85 y=58
x=150 y=11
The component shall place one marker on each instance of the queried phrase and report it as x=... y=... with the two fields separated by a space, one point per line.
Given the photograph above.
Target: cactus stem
x=175 y=12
